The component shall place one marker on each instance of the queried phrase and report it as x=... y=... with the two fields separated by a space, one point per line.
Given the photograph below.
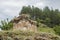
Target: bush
x=57 y=30
x=6 y=25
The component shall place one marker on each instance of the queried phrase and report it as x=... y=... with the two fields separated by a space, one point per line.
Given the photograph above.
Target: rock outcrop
x=23 y=22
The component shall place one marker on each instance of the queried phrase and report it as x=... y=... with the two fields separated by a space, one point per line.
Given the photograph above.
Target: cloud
x=40 y=5
x=11 y=8
x=1 y=16
x=13 y=3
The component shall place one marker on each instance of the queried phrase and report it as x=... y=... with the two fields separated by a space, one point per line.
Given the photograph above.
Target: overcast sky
x=11 y=8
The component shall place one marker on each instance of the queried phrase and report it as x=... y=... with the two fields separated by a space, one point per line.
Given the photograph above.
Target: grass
x=22 y=35
x=46 y=29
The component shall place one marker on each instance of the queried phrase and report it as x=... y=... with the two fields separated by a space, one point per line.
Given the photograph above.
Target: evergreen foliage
x=50 y=17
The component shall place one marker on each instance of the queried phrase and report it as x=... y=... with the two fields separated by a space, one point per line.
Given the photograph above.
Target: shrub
x=6 y=25
x=57 y=30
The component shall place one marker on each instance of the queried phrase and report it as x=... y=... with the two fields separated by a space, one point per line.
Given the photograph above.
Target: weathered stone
x=23 y=22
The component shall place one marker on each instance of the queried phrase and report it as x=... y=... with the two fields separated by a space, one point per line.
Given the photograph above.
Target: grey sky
x=11 y=8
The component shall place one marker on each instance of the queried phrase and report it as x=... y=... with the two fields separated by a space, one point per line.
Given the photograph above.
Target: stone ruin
x=23 y=22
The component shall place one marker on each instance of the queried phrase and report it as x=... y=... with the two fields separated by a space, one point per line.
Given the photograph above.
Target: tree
x=50 y=17
x=6 y=25
x=26 y=10
x=46 y=11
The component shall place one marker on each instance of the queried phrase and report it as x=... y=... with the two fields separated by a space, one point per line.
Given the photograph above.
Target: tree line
x=47 y=16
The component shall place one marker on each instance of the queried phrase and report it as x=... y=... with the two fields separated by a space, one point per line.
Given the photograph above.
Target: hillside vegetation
x=45 y=17
x=48 y=25
x=27 y=35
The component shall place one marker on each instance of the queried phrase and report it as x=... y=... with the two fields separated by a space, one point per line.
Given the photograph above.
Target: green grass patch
x=46 y=29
